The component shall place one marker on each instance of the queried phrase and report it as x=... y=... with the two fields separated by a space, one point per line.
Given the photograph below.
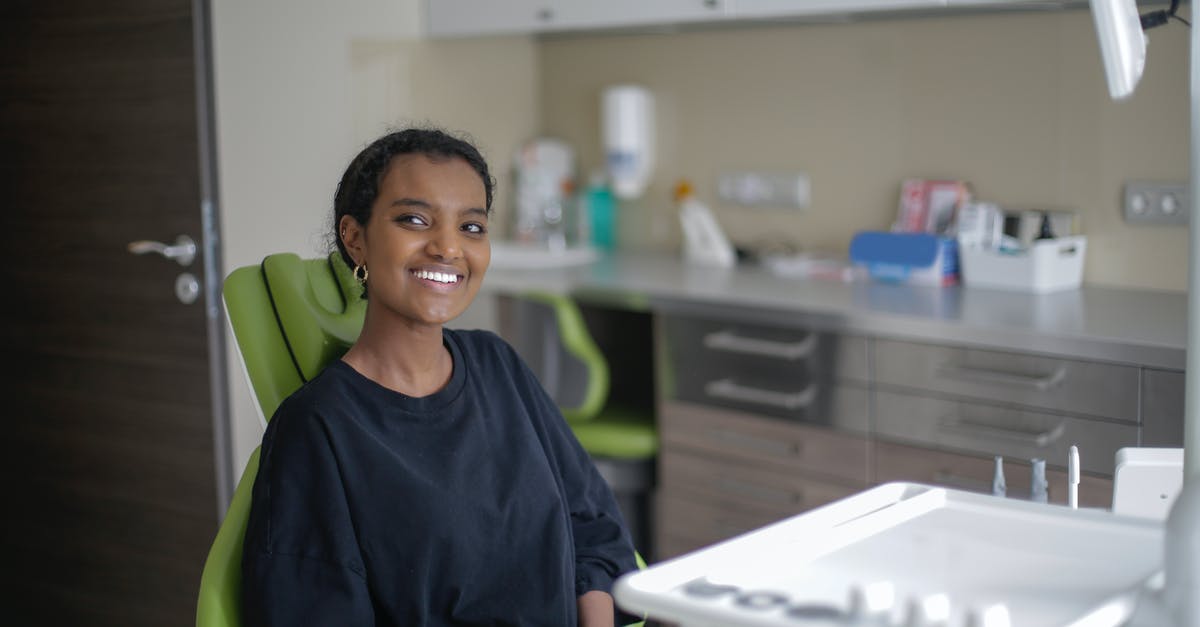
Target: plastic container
x=601 y=213
x=1047 y=265
x=906 y=258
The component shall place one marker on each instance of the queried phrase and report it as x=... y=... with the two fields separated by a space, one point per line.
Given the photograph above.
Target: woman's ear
x=353 y=238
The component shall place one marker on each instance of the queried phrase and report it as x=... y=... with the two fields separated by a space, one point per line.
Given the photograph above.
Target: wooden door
x=107 y=455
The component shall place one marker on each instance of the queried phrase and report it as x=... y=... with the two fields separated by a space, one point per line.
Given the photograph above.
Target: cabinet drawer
x=693 y=524
x=991 y=430
x=1162 y=408
x=895 y=462
x=764 y=442
x=743 y=486
x=1092 y=388
x=710 y=348
x=670 y=545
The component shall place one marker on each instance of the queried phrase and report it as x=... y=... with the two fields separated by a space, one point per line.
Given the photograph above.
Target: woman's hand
x=596 y=609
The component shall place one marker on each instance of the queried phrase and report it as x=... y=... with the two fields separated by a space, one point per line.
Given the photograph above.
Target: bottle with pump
x=704 y=243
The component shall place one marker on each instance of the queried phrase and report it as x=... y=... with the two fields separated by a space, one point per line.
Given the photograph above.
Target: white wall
x=302 y=85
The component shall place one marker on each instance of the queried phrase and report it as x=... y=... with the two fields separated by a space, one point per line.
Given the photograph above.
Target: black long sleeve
x=474 y=505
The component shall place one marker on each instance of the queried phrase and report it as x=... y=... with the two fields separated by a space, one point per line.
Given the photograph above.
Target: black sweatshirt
x=472 y=506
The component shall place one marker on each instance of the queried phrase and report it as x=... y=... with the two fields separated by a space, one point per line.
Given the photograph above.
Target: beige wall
x=1014 y=103
x=301 y=86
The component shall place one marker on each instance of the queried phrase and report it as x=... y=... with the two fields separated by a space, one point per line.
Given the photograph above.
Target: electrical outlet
x=1150 y=202
x=789 y=190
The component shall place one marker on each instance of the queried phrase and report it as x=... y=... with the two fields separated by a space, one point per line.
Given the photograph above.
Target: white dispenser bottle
x=704 y=243
x=627 y=120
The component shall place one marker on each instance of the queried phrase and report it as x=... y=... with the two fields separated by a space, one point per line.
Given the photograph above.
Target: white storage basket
x=1046 y=266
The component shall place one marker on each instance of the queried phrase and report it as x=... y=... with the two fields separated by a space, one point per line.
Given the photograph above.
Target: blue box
x=907 y=258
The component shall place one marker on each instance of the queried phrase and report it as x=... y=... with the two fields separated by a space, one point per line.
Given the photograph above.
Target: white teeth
x=440 y=277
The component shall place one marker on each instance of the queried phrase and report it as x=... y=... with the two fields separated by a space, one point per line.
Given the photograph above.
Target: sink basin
x=535 y=256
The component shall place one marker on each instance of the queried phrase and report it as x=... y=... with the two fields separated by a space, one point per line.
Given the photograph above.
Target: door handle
x=183 y=251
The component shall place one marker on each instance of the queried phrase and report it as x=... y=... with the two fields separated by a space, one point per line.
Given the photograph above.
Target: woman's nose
x=444 y=244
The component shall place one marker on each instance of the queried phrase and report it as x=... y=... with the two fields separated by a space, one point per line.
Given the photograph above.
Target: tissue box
x=908 y=258
x=1047 y=265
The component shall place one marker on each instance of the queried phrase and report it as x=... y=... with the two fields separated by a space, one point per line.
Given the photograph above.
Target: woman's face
x=426 y=245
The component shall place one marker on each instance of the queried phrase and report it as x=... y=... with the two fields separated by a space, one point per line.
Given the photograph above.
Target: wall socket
x=1151 y=202
x=783 y=190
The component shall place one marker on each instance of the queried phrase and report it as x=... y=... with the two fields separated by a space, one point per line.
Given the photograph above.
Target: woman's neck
x=409 y=359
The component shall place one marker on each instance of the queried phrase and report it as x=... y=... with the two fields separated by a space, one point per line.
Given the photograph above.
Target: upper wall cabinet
x=449 y=18
x=454 y=18
x=752 y=9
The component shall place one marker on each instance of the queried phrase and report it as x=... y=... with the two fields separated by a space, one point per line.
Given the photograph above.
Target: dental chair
x=290 y=317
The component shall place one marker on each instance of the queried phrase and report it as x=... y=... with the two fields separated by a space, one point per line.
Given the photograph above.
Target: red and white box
x=930 y=205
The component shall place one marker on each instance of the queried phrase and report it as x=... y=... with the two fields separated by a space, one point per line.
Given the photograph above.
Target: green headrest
x=319 y=306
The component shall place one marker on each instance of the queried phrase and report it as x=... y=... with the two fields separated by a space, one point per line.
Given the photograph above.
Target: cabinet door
x=803 y=8
x=1052 y=383
x=583 y=14
x=989 y=429
x=451 y=18
x=488 y=17
x=1016 y=4
x=1162 y=408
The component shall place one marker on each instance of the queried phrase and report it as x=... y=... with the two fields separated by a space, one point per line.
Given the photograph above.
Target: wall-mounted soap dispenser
x=627 y=120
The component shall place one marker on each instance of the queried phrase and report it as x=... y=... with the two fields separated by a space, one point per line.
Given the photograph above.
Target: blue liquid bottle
x=602 y=213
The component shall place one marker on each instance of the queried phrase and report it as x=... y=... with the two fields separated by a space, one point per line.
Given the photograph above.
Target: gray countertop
x=1141 y=327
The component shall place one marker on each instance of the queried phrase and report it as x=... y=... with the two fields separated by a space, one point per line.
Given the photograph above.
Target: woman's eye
x=413 y=219
x=474 y=228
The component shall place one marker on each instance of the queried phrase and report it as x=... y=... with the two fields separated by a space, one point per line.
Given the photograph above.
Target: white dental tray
x=902 y=552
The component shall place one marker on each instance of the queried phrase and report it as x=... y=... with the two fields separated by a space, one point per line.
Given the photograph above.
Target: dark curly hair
x=359 y=186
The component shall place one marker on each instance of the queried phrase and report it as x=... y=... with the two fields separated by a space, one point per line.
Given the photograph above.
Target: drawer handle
x=733 y=343
x=1039 y=439
x=1041 y=382
x=761 y=445
x=760 y=492
x=728 y=390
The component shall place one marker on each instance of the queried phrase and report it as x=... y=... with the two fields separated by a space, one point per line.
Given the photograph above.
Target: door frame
x=210 y=239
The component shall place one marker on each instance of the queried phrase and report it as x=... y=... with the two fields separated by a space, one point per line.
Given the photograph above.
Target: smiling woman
x=426 y=241
x=426 y=478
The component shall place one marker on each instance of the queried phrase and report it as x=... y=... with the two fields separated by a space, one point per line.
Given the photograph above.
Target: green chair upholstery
x=220 y=601
x=290 y=317
x=603 y=429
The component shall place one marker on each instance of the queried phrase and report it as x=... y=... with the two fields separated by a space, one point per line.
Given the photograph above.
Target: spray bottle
x=704 y=243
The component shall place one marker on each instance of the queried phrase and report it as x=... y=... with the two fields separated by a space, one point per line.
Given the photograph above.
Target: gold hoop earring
x=360 y=273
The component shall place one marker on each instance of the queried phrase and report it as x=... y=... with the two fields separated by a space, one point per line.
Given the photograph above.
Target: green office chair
x=604 y=429
x=622 y=441
x=290 y=317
